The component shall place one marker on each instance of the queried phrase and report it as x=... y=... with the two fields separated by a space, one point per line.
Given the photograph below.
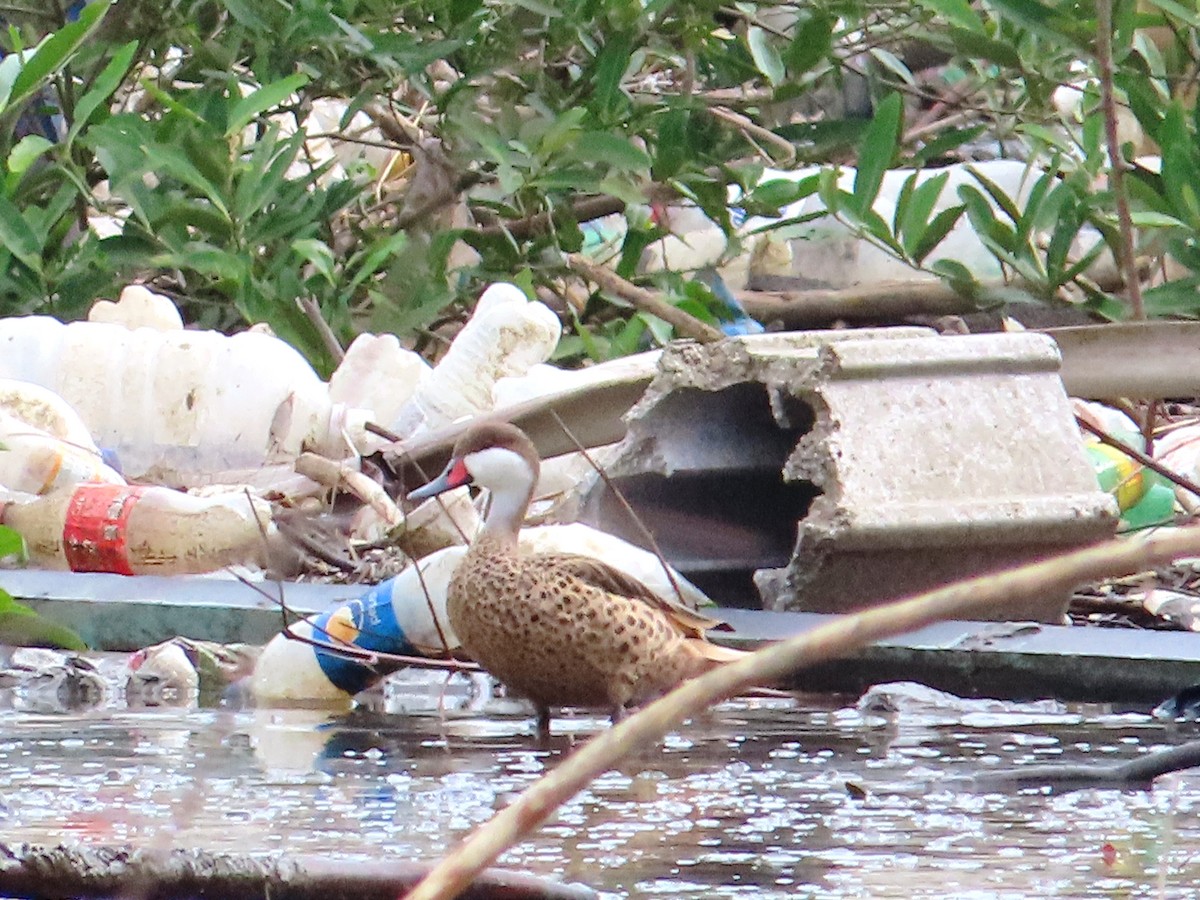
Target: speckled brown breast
x=559 y=640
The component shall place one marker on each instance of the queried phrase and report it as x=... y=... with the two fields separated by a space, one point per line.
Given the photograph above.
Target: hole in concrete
x=725 y=510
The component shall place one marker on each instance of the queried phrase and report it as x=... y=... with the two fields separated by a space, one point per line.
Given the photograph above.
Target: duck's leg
x=618 y=714
x=543 y=723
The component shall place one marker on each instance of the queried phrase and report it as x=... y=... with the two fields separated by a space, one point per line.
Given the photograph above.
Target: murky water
x=749 y=800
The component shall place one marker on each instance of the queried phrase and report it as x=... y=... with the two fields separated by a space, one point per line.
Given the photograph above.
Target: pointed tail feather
x=715 y=653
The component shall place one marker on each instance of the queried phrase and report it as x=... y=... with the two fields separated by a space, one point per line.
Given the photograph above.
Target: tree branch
x=645 y=300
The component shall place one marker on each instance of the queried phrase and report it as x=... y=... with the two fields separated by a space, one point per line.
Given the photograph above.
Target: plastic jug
x=505 y=335
x=179 y=406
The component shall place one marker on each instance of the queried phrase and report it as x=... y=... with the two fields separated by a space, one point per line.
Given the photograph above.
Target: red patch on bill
x=459 y=474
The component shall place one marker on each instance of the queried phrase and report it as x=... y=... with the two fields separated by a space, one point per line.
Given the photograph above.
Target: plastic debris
x=506 y=335
x=141 y=529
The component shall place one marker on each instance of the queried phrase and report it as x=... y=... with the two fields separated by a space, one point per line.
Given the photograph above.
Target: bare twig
x=752 y=129
x=645 y=300
x=313 y=312
x=774 y=664
x=1104 y=61
x=334 y=474
x=583 y=210
x=95 y=871
x=882 y=300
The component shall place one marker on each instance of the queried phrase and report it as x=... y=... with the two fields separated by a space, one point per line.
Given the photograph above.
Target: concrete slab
x=1011 y=661
x=837 y=470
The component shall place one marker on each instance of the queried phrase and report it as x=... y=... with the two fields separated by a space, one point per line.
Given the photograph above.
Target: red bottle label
x=94 y=533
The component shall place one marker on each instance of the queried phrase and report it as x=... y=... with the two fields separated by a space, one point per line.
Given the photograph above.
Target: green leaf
x=27 y=149
x=18 y=237
x=266 y=97
x=102 y=89
x=611 y=149
x=205 y=259
x=20 y=626
x=607 y=72
x=10 y=68
x=916 y=218
x=542 y=9
x=1148 y=219
x=12 y=544
x=766 y=57
x=318 y=254
x=777 y=193
x=957 y=12
x=934 y=232
x=1175 y=298
x=56 y=51
x=876 y=152
x=998 y=195
x=969 y=43
x=812 y=42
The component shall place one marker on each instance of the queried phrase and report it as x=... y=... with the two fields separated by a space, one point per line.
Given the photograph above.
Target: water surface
x=749 y=800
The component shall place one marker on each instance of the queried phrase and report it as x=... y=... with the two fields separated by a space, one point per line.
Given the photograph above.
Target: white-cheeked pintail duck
x=558 y=628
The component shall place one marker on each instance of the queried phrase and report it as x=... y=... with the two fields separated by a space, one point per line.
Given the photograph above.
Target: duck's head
x=496 y=456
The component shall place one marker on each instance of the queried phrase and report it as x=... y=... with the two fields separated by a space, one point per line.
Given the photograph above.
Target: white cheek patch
x=496 y=468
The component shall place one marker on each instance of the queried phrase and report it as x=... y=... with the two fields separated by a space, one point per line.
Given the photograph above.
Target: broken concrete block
x=830 y=471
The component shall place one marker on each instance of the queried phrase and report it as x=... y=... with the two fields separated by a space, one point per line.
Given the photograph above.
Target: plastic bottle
x=1144 y=497
x=141 y=529
x=45 y=410
x=378 y=374
x=393 y=617
x=33 y=461
x=179 y=406
x=505 y=335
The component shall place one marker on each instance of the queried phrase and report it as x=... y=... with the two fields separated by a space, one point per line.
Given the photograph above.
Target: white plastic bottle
x=505 y=335
x=179 y=406
x=141 y=529
x=33 y=461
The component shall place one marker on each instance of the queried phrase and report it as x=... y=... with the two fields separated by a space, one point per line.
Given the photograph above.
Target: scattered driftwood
x=646 y=300
x=1134 y=774
x=774 y=664
x=339 y=475
x=40 y=873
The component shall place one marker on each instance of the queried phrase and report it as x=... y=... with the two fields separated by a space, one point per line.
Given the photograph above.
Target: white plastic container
x=378 y=374
x=179 y=406
x=141 y=529
x=33 y=461
x=505 y=335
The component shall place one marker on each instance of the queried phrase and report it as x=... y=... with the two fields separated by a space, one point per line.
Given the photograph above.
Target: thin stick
x=1138 y=456
x=748 y=127
x=335 y=474
x=324 y=332
x=1104 y=61
x=616 y=492
x=774 y=664
x=645 y=300
x=582 y=210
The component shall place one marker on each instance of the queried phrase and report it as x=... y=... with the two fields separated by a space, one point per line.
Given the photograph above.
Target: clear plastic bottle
x=141 y=529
